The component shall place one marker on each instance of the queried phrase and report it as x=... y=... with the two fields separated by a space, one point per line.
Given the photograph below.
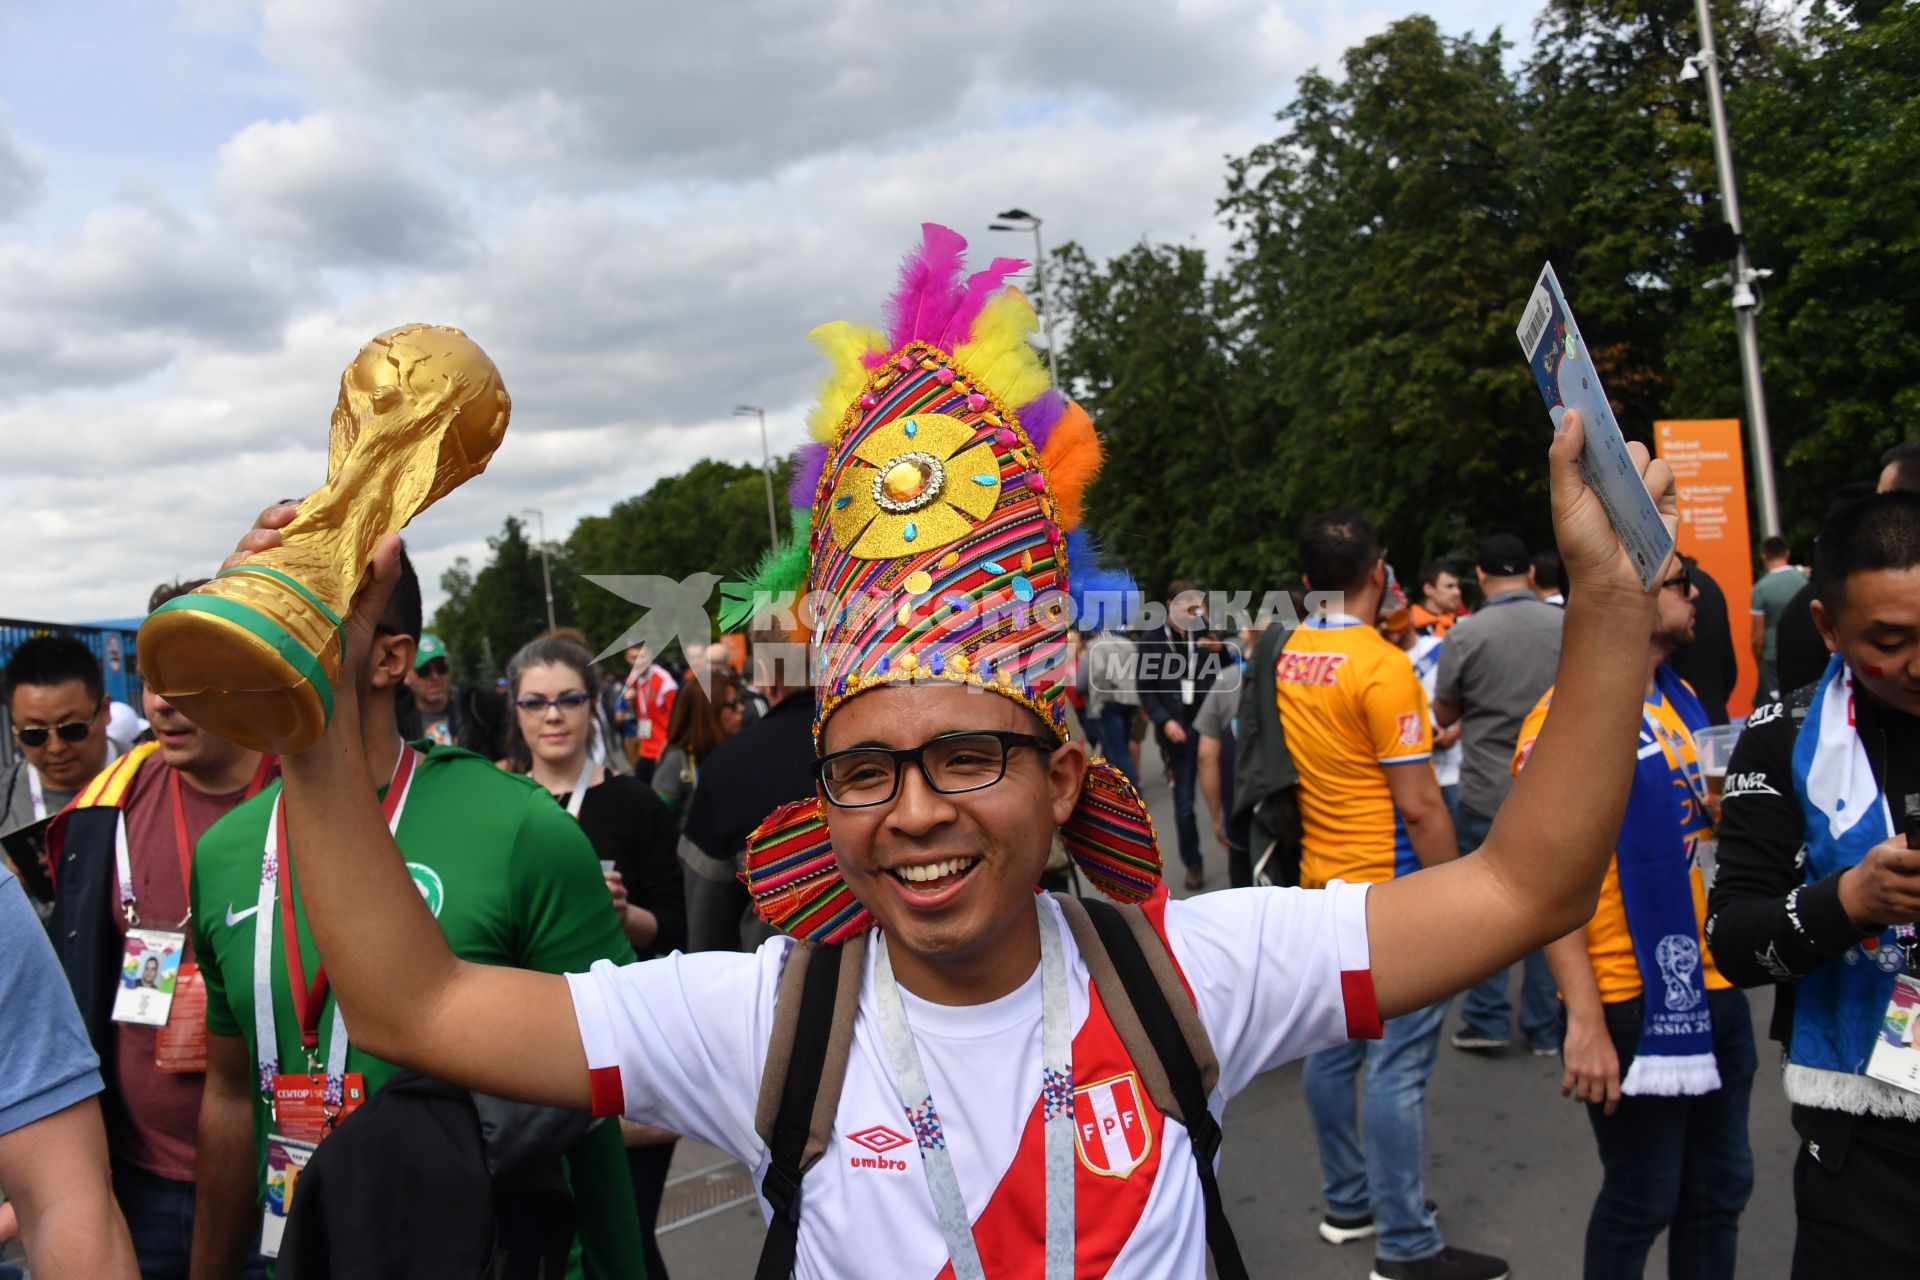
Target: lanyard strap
x=182 y=841
x=36 y=791
x=579 y=796
x=276 y=883
x=1056 y=1093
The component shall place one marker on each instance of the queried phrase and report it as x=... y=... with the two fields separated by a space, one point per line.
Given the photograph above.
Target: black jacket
x=419 y=1182
x=1163 y=665
x=80 y=847
x=1708 y=664
x=765 y=765
x=1800 y=655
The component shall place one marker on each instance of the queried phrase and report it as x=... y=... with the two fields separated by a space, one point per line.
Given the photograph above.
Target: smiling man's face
x=967 y=935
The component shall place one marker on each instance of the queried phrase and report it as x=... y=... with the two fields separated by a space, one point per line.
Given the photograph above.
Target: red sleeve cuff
x=1363 y=1012
x=609 y=1096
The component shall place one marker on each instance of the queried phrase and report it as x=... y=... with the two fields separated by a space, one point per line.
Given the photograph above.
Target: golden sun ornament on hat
x=938 y=509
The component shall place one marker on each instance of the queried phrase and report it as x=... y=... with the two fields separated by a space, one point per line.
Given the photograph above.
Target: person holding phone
x=1818 y=887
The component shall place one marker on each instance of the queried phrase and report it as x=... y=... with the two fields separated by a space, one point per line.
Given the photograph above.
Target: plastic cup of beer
x=1713 y=747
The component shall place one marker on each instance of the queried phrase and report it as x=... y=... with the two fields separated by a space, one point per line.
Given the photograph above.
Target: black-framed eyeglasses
x=36 y=735
x=1682 y=580
x=566 y=702
x=952 y=763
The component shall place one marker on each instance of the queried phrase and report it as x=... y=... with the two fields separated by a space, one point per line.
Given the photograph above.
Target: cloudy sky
x=637 y=208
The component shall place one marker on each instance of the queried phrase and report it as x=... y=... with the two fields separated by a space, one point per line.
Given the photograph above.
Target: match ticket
x=1564 y=369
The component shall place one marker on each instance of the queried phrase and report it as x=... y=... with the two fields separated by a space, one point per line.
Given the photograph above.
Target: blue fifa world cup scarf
x=1655 y=858
x=1838 y=1008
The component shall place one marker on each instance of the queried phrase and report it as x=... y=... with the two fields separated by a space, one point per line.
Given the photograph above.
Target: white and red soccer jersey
x=1276 y=974
x=651 y=693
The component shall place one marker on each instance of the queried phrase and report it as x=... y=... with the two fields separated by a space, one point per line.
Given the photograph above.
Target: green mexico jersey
x=511 y=879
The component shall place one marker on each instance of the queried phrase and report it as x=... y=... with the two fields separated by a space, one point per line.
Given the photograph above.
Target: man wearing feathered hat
x=991 y=1120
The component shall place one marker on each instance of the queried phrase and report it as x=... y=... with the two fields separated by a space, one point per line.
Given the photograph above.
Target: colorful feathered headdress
x=938 y=507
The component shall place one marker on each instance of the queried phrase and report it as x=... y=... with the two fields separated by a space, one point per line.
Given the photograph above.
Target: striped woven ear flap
x=794 y=880
x=1110 y=837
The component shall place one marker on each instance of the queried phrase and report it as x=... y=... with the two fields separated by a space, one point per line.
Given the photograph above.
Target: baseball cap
x=1503 y=556
x=428 y=649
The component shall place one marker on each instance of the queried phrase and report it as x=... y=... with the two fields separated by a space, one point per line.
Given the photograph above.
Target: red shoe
x=1196 y=880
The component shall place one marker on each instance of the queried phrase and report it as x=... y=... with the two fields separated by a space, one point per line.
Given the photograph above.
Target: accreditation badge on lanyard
x=159 y=986
x=306 y=1107
x=1895 y=1057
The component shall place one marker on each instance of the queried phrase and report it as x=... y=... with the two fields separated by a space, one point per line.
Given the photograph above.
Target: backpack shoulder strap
x=813 y=1015
x=1155 y=1018
x=1122 y=990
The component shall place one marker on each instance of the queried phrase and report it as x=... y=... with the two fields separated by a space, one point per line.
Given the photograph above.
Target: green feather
x=780 y=570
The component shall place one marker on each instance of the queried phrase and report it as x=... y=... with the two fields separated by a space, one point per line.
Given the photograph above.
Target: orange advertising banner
x=1710 y=475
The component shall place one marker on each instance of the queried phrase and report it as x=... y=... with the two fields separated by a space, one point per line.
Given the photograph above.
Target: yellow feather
x=843 y=344
x=999 y=354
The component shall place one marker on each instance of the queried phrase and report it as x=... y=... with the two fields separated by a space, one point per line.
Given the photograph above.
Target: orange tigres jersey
x=1351 y=707
x=1609 y=944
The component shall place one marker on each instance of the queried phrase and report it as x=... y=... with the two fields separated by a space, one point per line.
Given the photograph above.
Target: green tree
x=488 y=615
x=1383 y=247
x=1828 y=152
x=1182 y=488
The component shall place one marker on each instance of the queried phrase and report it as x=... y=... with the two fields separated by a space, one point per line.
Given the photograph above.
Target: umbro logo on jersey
x=235 y=917
x=879 y=1140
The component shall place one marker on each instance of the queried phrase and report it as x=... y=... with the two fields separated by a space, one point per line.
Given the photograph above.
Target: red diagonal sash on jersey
x=1012 y=1230
x=1113 y=1119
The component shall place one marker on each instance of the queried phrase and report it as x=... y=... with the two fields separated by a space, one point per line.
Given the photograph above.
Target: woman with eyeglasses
x=551 y=685
x=703 y=718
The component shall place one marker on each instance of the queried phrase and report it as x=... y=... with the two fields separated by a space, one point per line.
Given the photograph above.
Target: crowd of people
x=467 y=970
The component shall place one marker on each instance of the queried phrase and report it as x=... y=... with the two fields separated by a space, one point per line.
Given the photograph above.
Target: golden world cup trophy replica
x=255 y=655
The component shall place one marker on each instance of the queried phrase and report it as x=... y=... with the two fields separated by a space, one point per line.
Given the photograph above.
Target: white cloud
x=638 y=210
x=23 y=175
x=606 y=92
x=339 y=193
x=136 y=286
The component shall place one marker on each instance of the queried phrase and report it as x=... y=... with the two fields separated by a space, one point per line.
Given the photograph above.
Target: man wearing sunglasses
x=454 y=715
x=124 y=854
x=1659 y=1045
x=57 y=703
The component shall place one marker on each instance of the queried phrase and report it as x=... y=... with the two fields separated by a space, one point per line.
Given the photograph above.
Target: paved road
x=1510 y=1162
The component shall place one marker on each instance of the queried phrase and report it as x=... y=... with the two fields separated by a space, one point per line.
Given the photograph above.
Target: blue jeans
x=1680 y=1165
x=1485 y=1012
x=1183 y=772
x=1389 y=1179
x=159 y=1213
x=1116 y=737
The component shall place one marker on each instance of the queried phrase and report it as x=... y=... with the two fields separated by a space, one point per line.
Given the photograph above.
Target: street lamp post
x=1021 y=220
x=766 y=469
x=1745 y=300
x=546 y=568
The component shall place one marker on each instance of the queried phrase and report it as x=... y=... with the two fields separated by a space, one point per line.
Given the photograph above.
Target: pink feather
x=1040 y=415
x=929 y=287
x=981 y=285
x=809 y=460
